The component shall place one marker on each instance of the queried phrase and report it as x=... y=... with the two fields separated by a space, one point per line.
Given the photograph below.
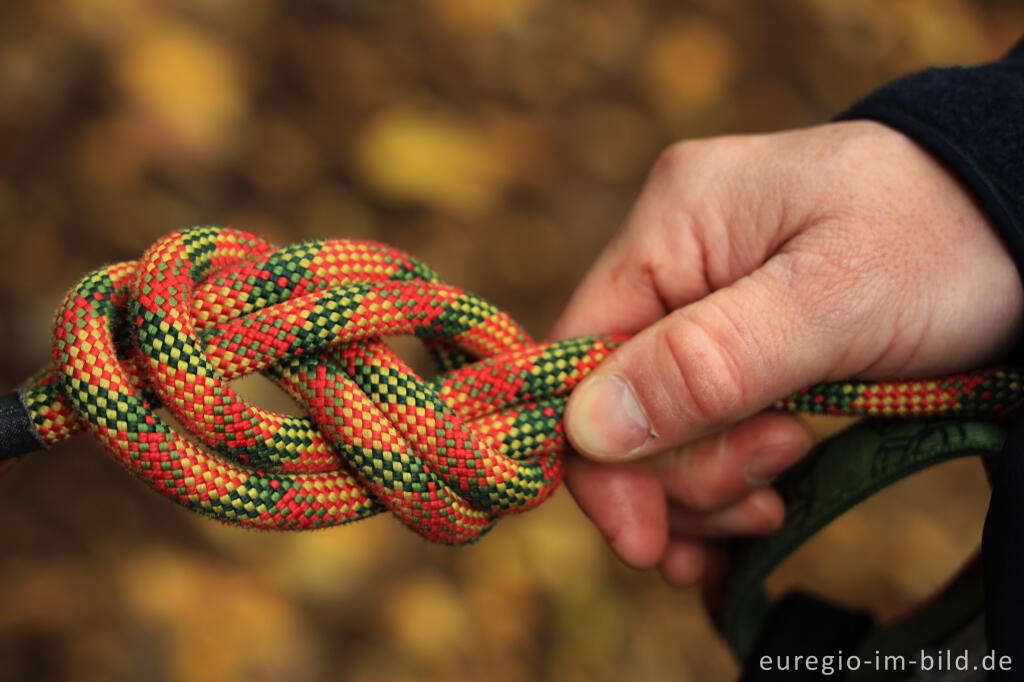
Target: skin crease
x=750 y=267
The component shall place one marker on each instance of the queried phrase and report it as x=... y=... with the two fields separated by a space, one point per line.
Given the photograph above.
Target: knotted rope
x=447 y=455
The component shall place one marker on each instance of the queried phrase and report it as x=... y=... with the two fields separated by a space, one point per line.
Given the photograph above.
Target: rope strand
x=446 y=456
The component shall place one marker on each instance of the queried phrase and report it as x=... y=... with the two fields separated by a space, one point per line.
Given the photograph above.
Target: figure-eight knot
x=447 y=455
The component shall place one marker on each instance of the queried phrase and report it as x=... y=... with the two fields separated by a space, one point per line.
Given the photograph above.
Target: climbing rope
x=447 y=455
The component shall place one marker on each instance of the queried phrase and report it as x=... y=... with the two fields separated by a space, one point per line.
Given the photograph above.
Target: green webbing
x=838 y=474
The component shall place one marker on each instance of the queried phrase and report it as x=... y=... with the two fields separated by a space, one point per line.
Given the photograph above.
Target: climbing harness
x=445 y=455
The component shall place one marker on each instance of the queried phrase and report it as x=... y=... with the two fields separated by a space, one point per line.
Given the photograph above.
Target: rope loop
x=447 y=455
x=207 y=305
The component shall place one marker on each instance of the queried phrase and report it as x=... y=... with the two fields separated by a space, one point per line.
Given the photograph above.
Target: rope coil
x=447 y=456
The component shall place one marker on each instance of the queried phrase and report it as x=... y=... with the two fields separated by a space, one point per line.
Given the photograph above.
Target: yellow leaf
x=187 y=83
x=221 y=622
x=689 y=66
x=430 y=159
x=427 y=619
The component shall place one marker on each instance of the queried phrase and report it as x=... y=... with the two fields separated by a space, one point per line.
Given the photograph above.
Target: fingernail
x=767 y=463
x=607 y=421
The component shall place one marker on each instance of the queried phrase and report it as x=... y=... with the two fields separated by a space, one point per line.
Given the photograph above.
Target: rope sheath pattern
x=447 y=456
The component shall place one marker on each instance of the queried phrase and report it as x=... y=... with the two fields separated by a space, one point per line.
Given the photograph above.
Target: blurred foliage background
x=500 y=141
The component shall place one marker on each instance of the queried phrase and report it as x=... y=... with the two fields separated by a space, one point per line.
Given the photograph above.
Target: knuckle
x=686 y=485
x=689 y=156
x=706 y=384
x=772 y=523
x=856 y=148
x=674 y=159
x=702 y=496
x=682 y=571
x=687 y=576
x=765 y=515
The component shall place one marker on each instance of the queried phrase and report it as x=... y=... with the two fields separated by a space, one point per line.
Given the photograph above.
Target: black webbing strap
x=1003 y=548
x=785 y=635
x=17 y=432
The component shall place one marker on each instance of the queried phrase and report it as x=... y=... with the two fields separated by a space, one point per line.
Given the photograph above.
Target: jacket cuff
x=972 y=119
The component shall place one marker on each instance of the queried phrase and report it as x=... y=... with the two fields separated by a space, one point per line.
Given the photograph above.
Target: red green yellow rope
x=446 y=455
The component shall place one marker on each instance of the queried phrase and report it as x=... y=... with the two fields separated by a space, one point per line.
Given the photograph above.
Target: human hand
x=748 y=268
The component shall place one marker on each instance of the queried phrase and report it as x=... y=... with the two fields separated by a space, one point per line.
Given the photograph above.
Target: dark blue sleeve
x=973 y=119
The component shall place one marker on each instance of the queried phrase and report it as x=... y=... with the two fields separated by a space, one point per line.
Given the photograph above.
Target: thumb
x=709 y=364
